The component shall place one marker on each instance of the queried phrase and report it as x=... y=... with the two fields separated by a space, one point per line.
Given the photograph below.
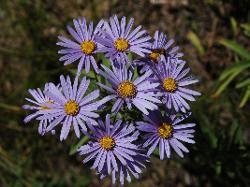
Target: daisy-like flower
x=41 y=106
x=166 y=131
x=71 y=107
x=113 y=151
x=173 y=80
x=118 y=39
x=83 y=47
x=160 y=49
x=127 y=91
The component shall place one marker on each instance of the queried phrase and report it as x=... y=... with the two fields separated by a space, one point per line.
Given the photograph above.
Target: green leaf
x=246 y=28
x=225 y=83
x=105 y=61
x=75 y=147
x=196 y=42
x=243 y=83
x=234 y=25
x=135 y=75
x=218 y=167
x=237 y=48
x=130 y=56
x=156 y=152
x=245 y=97
x=235 y=67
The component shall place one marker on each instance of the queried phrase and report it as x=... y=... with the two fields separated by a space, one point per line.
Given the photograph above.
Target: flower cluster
x=134 y=106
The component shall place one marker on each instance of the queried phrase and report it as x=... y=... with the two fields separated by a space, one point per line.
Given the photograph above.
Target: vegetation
x=214 y=35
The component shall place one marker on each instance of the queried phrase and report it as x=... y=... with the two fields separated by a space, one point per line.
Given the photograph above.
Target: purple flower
x=160 y=49
x=166 y=131
x=173 y=79
x=118 y=39
x=113 y=151
x=71 y=107
x=41 y=106
x=84 y=46
x=125 y=90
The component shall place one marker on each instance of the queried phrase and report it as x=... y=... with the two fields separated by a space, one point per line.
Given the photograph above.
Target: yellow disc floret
x=165 y=130
x=107 y=142
x=121 y=44
x=154 y=55
x=88 y=47
x=126 y=89
x=170 y=84
x=71 y=108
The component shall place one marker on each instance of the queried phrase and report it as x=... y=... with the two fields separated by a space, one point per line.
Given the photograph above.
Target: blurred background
x=213 y=34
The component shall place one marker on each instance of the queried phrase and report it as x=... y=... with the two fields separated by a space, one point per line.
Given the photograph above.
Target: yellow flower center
x=71 y=108
x=121 y=44
x=88 y=47
x=165 y=130
x=107 y=142
x=154 y=55
x=170 y=84
x=126 y=89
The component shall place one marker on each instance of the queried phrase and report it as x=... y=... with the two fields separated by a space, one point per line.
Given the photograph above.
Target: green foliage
x=237 y=48
x=28 y=59
x=196 y=42
x=75 y=147
x=234 y=26
x=246 y=28
x=239 y=71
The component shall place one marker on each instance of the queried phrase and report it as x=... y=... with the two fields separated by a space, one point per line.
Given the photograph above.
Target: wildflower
x=41 y=106
x=113 y=151
x=118 y=39
x=71 y=107
x=166 y=131
x=173 y=79
x=160 y=49
x=84 y=46
x=127 y=91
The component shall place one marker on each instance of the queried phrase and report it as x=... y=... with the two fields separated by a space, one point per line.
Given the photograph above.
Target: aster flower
x=41 y=104
x=167 y=131
x=83 y=47
x=113 y=151
x=71 y=107
x=118 y=39
x=127 y=91
x=160 y=49
x=173 y=80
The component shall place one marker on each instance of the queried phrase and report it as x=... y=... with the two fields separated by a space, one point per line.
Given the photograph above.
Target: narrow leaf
x=240 y=66
x=243 y=83
x=237 y=48
x=75 y=147
x=196 y=42
x=245 y=97
x=225 y=84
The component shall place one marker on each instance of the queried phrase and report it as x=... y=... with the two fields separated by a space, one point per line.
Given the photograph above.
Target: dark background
x=28 y=59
